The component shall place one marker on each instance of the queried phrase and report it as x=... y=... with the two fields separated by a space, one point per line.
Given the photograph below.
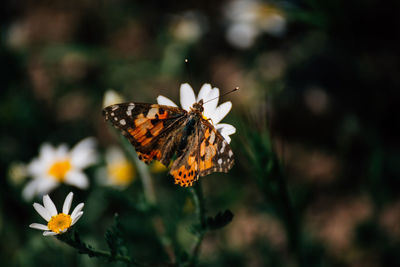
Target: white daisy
x=188 y=27
x=119 y=171
x=111 y=97
x=250 y=18
x=211 y=109
x=57 y=165
x=57 y=223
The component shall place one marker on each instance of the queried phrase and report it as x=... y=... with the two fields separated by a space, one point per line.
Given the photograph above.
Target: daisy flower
x=188 y=27
x=211 y=109
x=111 y=97
x=57 y=223
x=250 y=18
x=119 y=171
x=56 y=165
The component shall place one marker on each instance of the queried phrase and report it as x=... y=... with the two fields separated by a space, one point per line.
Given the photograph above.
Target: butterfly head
x=198 y=107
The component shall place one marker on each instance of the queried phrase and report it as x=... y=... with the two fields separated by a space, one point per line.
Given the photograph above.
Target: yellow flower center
x=266 y=11
x=207 y=119
x=59 y=169
x=157 y=167
x=121 y=173
x=59 y=223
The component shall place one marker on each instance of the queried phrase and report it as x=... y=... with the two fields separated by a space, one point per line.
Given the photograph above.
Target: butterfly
x=158 y=132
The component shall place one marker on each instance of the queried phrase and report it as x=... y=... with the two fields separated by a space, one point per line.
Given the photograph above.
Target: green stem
x=150 y=196
x=145 y=176
x=72 y=239
x=289 y=218
x=198 y=200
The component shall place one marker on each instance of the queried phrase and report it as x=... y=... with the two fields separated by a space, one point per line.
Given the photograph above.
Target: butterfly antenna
x=231 y=91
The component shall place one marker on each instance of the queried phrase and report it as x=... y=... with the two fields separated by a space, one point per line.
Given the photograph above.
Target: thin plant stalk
x=198 y=200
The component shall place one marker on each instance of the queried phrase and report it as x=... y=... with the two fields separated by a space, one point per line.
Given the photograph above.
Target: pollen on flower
x=59 y=223
x=207 y=119
x=59 y=169
x=157 y=167
x=122 y=173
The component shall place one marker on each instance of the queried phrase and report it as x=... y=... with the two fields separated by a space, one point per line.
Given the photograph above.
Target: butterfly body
x=158 y=132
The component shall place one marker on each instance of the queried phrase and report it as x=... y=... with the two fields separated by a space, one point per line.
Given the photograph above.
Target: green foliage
x=316 y=174
x=220 y=220
x=114 y=239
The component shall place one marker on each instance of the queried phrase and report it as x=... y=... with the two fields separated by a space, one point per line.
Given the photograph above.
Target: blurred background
x=317 y=174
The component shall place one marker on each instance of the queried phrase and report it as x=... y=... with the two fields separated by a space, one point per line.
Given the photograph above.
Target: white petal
x=76 y=218
x=77 y=209
x=42 y=211
x=227 y=138
x=49 y=205
x=242 y=34
x=220 y=112
x=84 y=153
x=114 y=154
x=111 y=97
x=225 y=130
x=45 y=185
x=30 y=189
x=67 y=203
x=61 y=151
x=212 y=102
x=204 y=91
x=47 y=153
x=188 y=97
x=162 y=100
x=77 y=178
x=39 y=226
x=36 y=168
x=49 y=233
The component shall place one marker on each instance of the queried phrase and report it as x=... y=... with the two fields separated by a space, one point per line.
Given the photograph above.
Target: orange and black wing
x=206 y=152
x=215 y=154
x=154 y=130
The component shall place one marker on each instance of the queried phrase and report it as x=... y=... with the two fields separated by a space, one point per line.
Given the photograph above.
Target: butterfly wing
x=185 y=168
x=215 y=152
x=152 y=129
x=206 y=152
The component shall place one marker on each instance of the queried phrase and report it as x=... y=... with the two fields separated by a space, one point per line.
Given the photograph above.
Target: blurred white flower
x=57 y=223
x=57 y=165
x=18 y=35
x=249 y=18
x=111 y=97
x=211 y=109
x=17 y=172
x=119 y=171
x=188 y=27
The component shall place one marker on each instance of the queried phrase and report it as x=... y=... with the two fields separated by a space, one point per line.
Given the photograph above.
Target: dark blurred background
x=318 y=102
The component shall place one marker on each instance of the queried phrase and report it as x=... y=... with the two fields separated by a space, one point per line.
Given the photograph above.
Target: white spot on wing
x=122 y=122
x=230 y=153
x=152 y=113
x=115 y=118
x=219 y=161
x=130 y=108
x=212 y=137
x=115 y=107
x=223 y=147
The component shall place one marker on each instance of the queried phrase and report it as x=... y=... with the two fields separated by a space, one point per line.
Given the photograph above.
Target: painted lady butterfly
x=158 y=132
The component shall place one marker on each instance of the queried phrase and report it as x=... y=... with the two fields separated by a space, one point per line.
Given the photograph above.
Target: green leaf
x=114 y=238
x=220 y=220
